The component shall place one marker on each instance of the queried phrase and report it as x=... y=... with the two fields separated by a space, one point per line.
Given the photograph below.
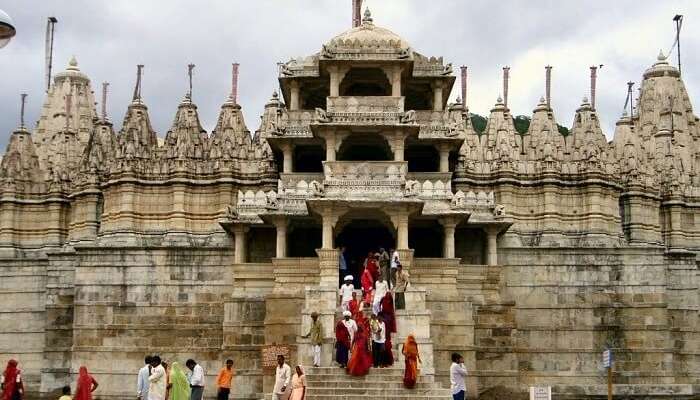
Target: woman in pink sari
x=298 y=384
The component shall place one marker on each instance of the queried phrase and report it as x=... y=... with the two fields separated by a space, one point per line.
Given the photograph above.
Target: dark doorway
x=422 y=158
x=365 y=82
x=309 y=158
x=365 y=147
x=426 y=238
x=470 y=245
x=359 y=237
x=303 y=238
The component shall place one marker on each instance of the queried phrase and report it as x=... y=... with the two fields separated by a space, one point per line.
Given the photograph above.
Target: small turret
x=587 y=140
x=185 y=137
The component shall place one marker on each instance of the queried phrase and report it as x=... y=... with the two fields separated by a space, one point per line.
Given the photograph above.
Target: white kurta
x=381 y=289
x=352 y=328
x=283 y=376
x=156 y=388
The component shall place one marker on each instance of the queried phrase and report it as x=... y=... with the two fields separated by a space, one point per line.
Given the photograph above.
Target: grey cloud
x=110 y=37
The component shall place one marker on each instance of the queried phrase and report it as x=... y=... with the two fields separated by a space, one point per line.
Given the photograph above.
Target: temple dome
x=368 y=35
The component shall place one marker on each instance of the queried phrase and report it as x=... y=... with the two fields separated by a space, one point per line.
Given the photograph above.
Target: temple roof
x=368 y=34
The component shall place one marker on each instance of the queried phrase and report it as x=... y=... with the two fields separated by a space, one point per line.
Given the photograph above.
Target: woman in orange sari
x=361 y=356
x=367 y=286
x=412 y=357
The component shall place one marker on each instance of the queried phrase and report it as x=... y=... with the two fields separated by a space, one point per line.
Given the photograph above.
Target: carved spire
x=53 y=120
x=20 y=162
x=136 y=139
x=186 y=138
x=586 y=140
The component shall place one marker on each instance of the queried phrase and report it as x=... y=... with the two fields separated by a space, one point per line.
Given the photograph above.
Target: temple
x=529 y=253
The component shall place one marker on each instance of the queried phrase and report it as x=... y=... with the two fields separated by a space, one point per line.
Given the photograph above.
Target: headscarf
x=302 y=370
x=410 y=347
x=83 y=388
x=180 y=387
x=10 y=375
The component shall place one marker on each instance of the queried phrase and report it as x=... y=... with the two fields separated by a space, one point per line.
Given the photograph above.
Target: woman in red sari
x=85 y=386
x=389 y=317
x=372 y=263
x=412 y=357
x=367 y=286
x=355 y=305
x=361 y=357
x=12 y=387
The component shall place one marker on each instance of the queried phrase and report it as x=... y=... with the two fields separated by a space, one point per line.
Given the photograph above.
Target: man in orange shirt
x=223 y=381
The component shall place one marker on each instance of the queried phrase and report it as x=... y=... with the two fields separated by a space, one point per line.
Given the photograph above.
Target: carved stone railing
x=449 y=124
x=473 y=200
x=364 y=110
x=369 y=179
x=289 y=124
x=431 y=185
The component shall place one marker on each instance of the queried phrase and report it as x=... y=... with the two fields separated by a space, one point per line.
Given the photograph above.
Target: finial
x=275 y=96
x=234 y=83
x=458 y=100
x=104 y=101
x=367 y=17
x=499 y=100
x=661 y=56
x=23 y=98
x=190 y=68
x=137 y=88
x=584 y=100
x=73 y=64
x=542 y=100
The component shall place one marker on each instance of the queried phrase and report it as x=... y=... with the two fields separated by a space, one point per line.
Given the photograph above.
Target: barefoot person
x=316 y=335
x=411 y=357
x=298 y=384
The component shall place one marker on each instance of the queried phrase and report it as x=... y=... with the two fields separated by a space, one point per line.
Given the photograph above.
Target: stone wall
x=133 y=302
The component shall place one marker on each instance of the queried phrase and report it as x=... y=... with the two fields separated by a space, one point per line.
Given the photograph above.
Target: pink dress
x=298 y=385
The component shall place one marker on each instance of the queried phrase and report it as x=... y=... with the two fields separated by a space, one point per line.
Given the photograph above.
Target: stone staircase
x=333 y=383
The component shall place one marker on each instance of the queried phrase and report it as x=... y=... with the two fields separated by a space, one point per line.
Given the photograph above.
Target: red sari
x=342 y=343
x=373 y=267
x=410 y=352
x=354 y=306
x=84 y=386
x=361 y=358
x=11 y=389
x=388 y=313
x=367 y=286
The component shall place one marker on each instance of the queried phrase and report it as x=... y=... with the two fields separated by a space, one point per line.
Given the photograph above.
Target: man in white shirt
x=381 y=288
x=458 y=372
x=345 y=293
x=350 y=324
x=378 y=328
x=283 y=376
x=157 y=380
x=142 y=382
x=196 y=379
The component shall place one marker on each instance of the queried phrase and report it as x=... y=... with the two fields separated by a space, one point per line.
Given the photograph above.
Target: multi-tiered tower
x=529 y=253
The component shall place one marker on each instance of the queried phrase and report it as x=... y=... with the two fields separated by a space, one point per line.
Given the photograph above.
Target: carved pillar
x=396 y=81
x=437 y=96
x=293 y=96
x=330 y=146
x=281 y=225
x=239 y=232
x=329 y=220
x=492 y=234
x=449 y=225
x=287 y=155
x=400 y=221
x=398 y=146
x=337 y=74
x=444 y=158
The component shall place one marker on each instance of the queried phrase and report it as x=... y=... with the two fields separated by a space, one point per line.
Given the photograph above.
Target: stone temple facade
x=529 y=253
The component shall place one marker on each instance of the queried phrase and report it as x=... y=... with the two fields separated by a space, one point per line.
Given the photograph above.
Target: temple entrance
x=360 y=236
x=365 y=147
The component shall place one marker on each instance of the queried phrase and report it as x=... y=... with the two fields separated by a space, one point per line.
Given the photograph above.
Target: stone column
x=287 y=155
x=281 y=225
x=330 y=146
x=293 y=96
x=396 y=81
x=398 y=146
x=448 y=249
x=329 y=221
x=239 y=232
x=437 y=96
x=337 y=74
x=492 y=234
x=444 y=158
x=400 y=220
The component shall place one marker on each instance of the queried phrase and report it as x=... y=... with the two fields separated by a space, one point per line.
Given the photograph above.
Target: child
x=66 y=393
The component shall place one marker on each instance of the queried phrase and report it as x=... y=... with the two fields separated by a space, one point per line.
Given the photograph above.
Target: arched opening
x=365 y=82
x=422 y=158
x=418 y=95
x=309 y=158
x=313 y=94
x=360 y=232
x=365 y=147
x=260 y=246
x=426 y=238
x=470 y=244
x=303 y=238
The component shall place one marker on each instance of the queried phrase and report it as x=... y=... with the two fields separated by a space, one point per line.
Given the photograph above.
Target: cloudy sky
x=110 y=37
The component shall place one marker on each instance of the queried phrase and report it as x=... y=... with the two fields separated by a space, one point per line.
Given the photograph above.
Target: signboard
x=607 y=358
x=270 y=353
x=540 y=393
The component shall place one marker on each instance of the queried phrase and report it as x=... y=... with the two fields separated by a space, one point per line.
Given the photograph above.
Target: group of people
x=288 y=386
x=159 y=381
x=361 y=342
x=13 y=387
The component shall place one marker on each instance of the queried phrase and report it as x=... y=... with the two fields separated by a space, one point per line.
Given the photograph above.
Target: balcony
x=365 y=179
x=364 y=110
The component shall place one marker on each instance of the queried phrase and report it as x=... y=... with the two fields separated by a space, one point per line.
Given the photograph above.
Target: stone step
x=367 y=379
x=337 y=371
x=412 y=396
x=352 y=382
x=378 y=391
